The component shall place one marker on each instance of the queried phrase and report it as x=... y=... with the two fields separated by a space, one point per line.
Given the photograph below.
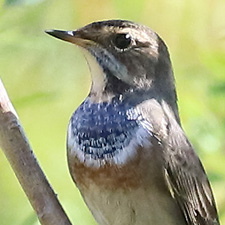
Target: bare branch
x=23 y=161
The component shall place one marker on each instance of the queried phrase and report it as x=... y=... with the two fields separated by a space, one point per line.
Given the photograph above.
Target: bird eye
x=122 y=41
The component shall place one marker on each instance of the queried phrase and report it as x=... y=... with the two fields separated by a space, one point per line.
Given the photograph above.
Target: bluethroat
x=127 y=152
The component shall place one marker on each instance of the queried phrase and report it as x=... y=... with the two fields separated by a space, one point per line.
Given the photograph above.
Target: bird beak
x=74 y=37
x=86 y=40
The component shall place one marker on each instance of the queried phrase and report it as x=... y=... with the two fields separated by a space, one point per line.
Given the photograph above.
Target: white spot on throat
x=98 y=76
x=99 y=80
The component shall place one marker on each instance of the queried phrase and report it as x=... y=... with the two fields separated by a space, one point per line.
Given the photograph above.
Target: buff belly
x=132 y=207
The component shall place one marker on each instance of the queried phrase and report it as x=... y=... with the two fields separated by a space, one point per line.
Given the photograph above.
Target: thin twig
x=24 y=163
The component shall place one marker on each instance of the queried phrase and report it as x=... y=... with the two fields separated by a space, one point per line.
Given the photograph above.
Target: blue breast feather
x=102 y=130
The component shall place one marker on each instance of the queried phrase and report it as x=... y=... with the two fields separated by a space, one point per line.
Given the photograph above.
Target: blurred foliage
x=20 y=2
x=47 y=79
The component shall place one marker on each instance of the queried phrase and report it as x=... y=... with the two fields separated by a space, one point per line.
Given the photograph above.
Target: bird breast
x=101 y=133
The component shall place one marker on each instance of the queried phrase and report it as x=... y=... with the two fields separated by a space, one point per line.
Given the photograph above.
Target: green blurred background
x=47 y=79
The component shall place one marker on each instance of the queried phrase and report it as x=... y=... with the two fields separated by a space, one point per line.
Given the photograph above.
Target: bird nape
x=127 y=152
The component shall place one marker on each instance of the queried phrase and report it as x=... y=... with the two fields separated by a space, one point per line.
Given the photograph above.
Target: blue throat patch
x=103 y=129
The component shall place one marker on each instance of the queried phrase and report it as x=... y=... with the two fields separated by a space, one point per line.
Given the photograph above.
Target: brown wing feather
x=190 y=187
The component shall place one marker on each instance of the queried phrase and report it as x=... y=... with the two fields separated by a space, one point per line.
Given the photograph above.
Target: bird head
x=124 y=57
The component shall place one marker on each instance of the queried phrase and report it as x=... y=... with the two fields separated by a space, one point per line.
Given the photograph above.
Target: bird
x=127 y=151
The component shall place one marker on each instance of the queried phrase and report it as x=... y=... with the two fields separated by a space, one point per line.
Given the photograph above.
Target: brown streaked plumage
x=127 y=151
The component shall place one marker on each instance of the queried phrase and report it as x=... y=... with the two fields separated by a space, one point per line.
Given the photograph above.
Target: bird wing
x=189 y=186
x=184 y=173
